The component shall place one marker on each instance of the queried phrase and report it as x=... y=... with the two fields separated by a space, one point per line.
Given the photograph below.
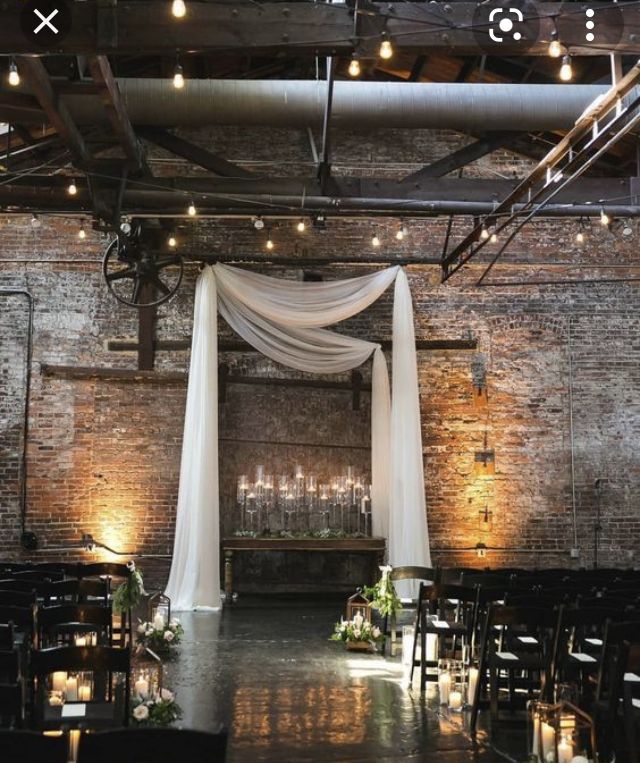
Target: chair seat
x=442 y=628
x=516 y=661
x=93 y=715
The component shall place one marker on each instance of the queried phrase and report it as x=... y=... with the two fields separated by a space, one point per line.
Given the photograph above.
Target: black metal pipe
x=563 y=282
x=25 y=423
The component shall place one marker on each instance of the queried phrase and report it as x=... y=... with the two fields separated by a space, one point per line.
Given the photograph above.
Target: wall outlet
x=575 y=553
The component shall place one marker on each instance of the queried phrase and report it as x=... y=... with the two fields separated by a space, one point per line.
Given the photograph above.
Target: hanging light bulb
x=494 y=238
x=14 y=77
x=386 y=49
x=300 y=227
x=354 y=67
x=178 y=78
x=401 y=233
x=579 y=237
x=178 y=9
x=82 y=233
x=375 y=241
x=566 y=70
x=484 y=233
x=270 y=245
x=604 y=218
x=171 y=241
x=555 y=48
x=191 y=210
x=72 y=188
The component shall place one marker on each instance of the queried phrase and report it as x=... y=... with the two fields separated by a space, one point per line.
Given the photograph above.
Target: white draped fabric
x=285 y=321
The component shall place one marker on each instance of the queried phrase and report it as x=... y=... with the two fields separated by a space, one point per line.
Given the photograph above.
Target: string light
x=270 y=245
x=375 y=241
x=354 y=67
x=171 y=241
x=579 y=237
x=72 y=188
x=178 y=78
x=605 y=220
x=401 y=233
x=178 y=9
x=484 y=233
x=82 y=233
x=386 y=49
x=14 y=77
x=191 y=210
x=300 y=227
x=494 y=238
x=566 y=70
x=555 y=49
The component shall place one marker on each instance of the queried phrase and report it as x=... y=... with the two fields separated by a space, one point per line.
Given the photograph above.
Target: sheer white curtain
x=285 y=321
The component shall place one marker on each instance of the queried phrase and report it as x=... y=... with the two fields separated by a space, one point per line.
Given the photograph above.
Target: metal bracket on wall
x=356 y=385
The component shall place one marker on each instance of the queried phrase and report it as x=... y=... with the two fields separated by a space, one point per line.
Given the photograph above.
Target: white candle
x=444 y=686
x=141 y=687
x=473 y=681
x=535 y=749
x=432 y=647
x=158 y=621
x=81 y=640
x=455 y=700
x=565 y=751
x=59 y=680
x=71 y=689
x=548 y=740
x=84 y=693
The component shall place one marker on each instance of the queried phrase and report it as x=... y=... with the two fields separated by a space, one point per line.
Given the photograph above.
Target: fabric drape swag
x=286 y=320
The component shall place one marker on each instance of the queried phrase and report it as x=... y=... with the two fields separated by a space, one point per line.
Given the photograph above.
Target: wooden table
x=230 y=546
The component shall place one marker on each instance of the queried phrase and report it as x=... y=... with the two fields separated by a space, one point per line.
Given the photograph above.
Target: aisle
x=266 y=670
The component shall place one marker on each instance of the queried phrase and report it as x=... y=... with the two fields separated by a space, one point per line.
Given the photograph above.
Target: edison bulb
x=191 y=210
x=14 y=77
x=270 y=244
x=386 y=49
x=178 y=78
x=82 y=234
x=354 y=68
x=178 y=9
x=580 y=237
x=566 y=70
x=555 y=49
x=72 y=188
x=484 y=233
x=375 y=241
x=301 y=226
x=172 y=242
x=604 y=218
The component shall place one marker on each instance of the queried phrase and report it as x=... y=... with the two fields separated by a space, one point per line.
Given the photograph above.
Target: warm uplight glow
x=375 y=241
x=178 y=78
x=354 y=67
x=386 y=50
x=14 y=77
x=566 y=70
x=178 y=9
x=191 y=210
x=72 y=188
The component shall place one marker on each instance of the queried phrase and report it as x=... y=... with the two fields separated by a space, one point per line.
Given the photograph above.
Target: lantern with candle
x=358 y=604
x=159 y=609
x=147 y=674
x=562 y=733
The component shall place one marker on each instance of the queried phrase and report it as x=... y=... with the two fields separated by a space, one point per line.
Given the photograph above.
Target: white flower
x=174 y=622
x=385 y=569
x=168 y=636
x=376 y=632
x=131 y=565
x=142 y=627
x=358 y=619
x=166 y=695
x=356 y=633
x=149 y=631
x=141 y=712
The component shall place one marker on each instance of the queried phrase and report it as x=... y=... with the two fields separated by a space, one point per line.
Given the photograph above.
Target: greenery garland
x=383 y=594
x=129 y=593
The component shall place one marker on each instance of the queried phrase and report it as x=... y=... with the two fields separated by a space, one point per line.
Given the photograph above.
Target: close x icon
x=45 y=22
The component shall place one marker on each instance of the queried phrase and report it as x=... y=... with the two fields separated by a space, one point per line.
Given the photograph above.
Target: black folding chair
x=423 y=574
x=83 y=591
x=12 y=706
x=146 y=745
x=58 y=625
x=32 y=747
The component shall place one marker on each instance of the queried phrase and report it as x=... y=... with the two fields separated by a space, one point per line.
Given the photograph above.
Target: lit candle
x=565 y=750
x=432 y=647
x=158 y=621
x=81 y=640
x=59 y=680
x=535 y=749
x=473 y=681
x=455 y=700
x=84 y=693
x=71 y=689
x=548 y=740
x=444 y=687
x=141 y=687
x=55 y=699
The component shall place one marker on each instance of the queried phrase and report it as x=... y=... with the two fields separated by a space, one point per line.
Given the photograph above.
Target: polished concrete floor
x=265 y=670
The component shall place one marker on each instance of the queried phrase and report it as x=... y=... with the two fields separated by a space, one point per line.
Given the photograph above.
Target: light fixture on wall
x=258 y=223
x=480 y=395
x=484 y=463
x=485 y=518
x=481 y=550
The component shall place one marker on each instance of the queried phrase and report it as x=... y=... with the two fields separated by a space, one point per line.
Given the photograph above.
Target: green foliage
x=129 y=593
x=382 y=595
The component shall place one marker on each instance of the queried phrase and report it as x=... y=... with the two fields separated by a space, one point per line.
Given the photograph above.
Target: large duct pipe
x=300 y=103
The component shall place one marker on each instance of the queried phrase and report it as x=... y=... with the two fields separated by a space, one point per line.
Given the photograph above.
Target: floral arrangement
x=160 y=637
x=156 y=710
x=324 y=533
x=357 y=629
x=383 y=594
x=129 y=593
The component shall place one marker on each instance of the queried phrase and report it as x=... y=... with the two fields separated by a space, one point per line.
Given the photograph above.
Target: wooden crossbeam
x=115 y=110
x=322 y=29
x=192 y=153
x=56 y=112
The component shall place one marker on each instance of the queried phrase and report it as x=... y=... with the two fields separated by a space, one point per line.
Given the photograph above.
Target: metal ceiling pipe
x=300 y=103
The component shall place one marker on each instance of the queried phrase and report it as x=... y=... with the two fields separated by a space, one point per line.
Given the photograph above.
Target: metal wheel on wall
x=137 y=275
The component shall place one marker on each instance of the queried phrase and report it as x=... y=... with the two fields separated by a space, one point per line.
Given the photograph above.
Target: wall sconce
x=484 y=463
x=481 y=550
x=88 y=543
x=485 y=519
x=480 y=396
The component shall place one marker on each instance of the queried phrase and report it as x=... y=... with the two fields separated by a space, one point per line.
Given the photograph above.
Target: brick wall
x=103 y=455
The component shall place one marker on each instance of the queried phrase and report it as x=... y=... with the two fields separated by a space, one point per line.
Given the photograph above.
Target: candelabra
x=300 y=502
